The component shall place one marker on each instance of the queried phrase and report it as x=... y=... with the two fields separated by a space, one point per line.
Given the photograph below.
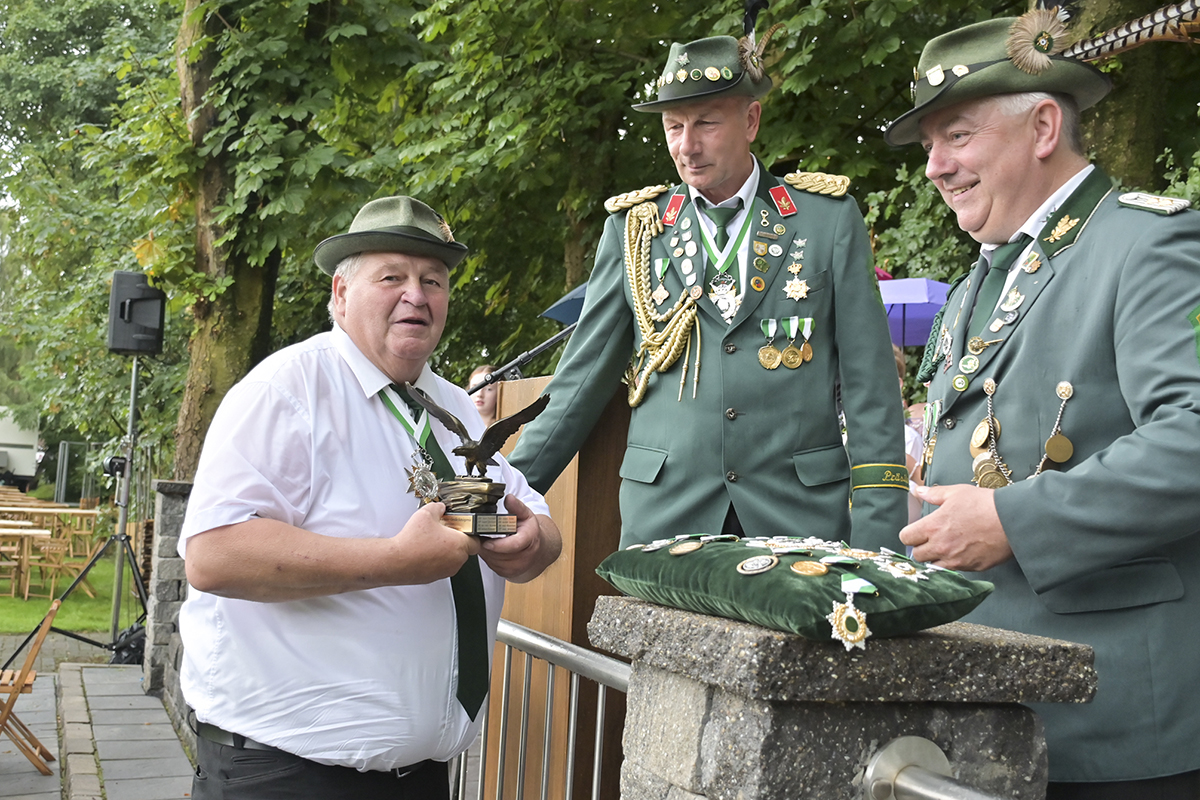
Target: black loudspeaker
x=136 y=311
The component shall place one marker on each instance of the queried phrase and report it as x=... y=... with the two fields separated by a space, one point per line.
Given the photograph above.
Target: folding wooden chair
x=15 y=684
x=10 y=562
x=51 y=561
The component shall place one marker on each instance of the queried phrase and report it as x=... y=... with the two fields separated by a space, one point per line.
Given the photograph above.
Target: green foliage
x=512 y=119
x=73 y=215
x=915 y=235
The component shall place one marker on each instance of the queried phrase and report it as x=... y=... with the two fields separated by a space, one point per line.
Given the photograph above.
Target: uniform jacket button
x=730 y=347
x=731 y=476
x=731 y=413
x=949 y=422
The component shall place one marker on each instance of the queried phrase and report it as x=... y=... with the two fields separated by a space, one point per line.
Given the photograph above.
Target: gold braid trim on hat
x=819 y=183
x=630 y=199
x=659 y=350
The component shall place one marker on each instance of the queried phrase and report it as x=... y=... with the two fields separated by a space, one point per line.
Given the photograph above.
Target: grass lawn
x=79 y=612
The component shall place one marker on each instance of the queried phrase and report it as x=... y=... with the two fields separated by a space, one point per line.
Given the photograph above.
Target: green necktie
x=470 y=607
x=720 y=217
x=993 y=282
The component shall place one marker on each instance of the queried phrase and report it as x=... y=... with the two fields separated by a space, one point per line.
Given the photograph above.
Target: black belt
x=223 y=737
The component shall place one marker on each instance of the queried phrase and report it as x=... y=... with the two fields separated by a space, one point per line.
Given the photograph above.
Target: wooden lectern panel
x=583 y=502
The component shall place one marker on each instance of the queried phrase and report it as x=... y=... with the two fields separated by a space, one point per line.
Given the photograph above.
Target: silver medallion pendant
x=421 y=479
x=723 y=294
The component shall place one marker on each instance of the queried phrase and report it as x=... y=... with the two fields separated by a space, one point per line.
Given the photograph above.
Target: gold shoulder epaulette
x=819 y=183
x=630 y=199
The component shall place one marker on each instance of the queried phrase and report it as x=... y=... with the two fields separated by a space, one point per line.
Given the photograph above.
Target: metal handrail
x=914 y=768
x=595 y=666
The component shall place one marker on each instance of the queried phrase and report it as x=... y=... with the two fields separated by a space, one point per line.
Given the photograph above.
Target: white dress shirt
x=364 y=679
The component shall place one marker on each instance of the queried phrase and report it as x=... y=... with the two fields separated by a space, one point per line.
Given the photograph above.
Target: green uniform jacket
x=1107 y=549
x=767 y=441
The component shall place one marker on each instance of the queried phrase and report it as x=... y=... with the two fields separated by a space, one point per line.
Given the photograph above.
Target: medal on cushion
x=768 y=355
x=421 y=479
x=660 y=294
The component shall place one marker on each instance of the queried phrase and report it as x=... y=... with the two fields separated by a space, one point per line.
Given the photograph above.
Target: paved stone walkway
x=117 y=742
x=55 y=650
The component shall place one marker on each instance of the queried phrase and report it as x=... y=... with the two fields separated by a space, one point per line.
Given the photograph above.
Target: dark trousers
x=1185 y=786
x=230 y=773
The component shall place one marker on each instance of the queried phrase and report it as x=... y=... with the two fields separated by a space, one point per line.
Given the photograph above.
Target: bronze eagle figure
x=478 y=454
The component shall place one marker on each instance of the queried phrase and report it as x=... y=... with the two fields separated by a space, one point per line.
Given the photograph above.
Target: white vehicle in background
x=18 y=452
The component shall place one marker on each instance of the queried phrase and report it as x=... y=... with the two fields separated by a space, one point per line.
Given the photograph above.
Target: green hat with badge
x=393 y=225
x=707 y=69
x=719 y=66
x=999 y=56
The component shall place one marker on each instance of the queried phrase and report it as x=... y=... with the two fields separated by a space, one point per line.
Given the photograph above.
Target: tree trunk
x=231 y=331
x=1125 y=129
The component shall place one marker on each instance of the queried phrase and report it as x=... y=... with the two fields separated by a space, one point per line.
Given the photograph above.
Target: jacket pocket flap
x=823 y=465
x=642 y=464
x=1143 y=582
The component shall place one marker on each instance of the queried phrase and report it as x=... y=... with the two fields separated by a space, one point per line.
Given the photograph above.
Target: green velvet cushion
x=908 y=596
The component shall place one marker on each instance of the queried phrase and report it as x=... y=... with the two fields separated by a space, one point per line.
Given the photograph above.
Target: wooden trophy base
x=488 y=526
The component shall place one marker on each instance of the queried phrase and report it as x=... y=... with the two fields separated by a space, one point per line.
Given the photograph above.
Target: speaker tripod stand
x=126 y=645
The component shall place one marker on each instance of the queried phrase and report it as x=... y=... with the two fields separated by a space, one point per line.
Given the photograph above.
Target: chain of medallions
x=659 y=349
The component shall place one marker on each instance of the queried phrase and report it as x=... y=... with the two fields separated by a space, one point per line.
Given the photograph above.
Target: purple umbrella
x=911 y=304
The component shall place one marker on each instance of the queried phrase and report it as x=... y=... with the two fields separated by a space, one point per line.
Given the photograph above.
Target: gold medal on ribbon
x=793 y=356
x=769 y=355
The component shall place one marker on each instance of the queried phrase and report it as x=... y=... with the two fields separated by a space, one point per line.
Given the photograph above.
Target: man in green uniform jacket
x=740 y=331
x=1066 y=403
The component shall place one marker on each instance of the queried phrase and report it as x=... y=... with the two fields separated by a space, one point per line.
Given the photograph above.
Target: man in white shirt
x=337 y=635
x=1065 y=401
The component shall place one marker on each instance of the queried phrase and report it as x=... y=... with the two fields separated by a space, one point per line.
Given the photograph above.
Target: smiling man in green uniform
x=738 y=303
x=1065 y=403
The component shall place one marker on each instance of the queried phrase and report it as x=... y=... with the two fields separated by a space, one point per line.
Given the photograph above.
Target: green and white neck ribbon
x=791 y=326
x=769 y=328
x=420 y=431
x=736 y=247
x=852 y=585
x=660 y=267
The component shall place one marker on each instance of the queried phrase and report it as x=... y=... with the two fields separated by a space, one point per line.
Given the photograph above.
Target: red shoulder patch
x=672 y=212
x=783 y=201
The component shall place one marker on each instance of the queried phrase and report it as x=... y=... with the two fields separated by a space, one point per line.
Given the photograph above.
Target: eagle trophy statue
x=471 y=499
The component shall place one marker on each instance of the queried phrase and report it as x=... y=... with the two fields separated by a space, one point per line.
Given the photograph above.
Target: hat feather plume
x=1034 y=37
x=753 y=7
x=1173 y=23
x=751 y=54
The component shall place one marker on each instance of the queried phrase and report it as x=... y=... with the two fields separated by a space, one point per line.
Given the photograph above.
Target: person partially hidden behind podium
x=337 y=637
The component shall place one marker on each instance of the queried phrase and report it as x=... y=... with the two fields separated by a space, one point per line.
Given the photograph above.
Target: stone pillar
x=722 y=709
x=167 y=590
